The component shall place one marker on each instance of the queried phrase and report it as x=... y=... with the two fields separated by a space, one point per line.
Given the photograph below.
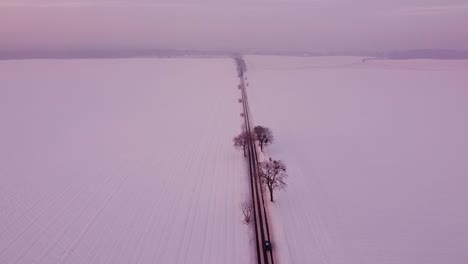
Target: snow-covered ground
x=377 y=155
x=121 y=161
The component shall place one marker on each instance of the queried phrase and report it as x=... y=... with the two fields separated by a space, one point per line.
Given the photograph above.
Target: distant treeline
x=442 y=54
x=111 y=54
x=428 y=54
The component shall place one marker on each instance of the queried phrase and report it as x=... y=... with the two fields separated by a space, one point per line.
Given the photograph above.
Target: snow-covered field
x=121 y=161
x=377 y=155
x=131 y=160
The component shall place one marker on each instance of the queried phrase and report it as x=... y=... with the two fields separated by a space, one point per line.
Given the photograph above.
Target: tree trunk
x=271 y=194
x=261 y=146
x=244 y=152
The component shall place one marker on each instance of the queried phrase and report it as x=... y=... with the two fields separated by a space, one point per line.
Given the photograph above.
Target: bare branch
x=247 y=207
x=242 y=140
x=273 y=174
x=263 y=135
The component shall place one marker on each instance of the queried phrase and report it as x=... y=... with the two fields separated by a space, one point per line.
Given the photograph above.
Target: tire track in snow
x=163 y=200
x=57 y=198
x=70 y=249
x=150 y=224
x=172 y=215
x=46 y=227
x=193 y=210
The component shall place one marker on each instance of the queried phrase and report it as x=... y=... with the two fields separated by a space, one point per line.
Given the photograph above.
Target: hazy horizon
x=296 y=26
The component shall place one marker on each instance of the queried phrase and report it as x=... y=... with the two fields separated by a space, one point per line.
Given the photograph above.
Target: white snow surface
x=377 y=157
x=121 y=161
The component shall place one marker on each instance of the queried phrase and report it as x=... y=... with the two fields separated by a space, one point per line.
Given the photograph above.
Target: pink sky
x=334 y=25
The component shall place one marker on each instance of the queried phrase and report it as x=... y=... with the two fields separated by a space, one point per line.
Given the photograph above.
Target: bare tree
x=241 y=141
x=247 y=207
x=273 y=173
x=241 y=65
x=263 y=135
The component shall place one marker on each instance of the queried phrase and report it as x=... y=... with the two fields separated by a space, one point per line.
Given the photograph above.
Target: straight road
x=262 y=232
